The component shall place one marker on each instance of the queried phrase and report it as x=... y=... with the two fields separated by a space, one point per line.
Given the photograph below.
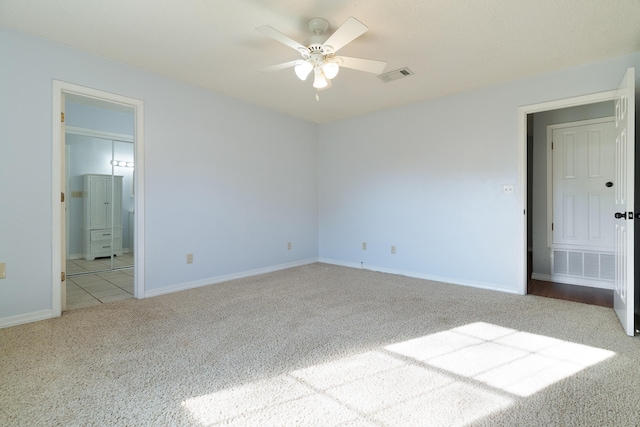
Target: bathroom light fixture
x=121 y=163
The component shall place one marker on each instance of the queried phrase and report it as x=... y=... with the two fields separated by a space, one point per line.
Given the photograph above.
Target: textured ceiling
x=450 y=45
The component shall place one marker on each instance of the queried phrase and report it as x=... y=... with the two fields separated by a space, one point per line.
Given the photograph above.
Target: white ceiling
x=450 y=45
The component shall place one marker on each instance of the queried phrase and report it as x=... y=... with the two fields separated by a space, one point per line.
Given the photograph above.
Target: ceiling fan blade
x=349 y=31
x=281 y=66
x=277 y=35
x=368 y=65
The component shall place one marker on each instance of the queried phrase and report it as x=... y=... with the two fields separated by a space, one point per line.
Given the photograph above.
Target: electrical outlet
x=289 y=246
x=393 y=249
x=508 y=189
x=189 y=258
x=364 y=246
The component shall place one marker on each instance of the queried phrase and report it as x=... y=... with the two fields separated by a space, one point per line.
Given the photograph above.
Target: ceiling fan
x=321 y=57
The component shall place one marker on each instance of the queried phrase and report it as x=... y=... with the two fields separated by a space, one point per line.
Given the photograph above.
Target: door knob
x=609 y=184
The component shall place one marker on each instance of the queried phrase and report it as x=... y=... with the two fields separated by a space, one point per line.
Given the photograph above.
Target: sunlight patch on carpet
x=449 y=378
x=517 y=362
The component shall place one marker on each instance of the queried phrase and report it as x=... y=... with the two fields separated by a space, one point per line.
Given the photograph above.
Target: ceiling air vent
x=395 y=75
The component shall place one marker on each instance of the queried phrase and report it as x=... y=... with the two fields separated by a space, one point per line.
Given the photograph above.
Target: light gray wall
x=230 y=182
x=428 y=178
x=541 y=253
x=97 y=118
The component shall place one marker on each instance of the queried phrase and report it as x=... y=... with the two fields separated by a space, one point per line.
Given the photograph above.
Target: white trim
x=20 y=319
x=56 y=216
x=447 y=280
x=568 y=280
x=549 y=179
x=522 y=163
x=226 y=278
x=138 y=107
x=92 y=133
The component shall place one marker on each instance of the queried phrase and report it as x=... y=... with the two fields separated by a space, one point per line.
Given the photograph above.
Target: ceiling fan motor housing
x=318 y=25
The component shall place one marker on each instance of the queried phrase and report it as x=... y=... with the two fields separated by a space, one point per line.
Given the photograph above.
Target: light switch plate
x=3 y=270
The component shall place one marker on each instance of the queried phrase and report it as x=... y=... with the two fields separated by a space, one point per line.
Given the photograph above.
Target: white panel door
x=623 y=298
x=583 y=193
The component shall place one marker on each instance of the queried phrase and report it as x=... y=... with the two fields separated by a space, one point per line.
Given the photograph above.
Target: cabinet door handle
x=106 y=247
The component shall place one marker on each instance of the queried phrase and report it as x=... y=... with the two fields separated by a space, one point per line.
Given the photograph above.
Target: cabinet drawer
x=104 y=248
x=97 y=235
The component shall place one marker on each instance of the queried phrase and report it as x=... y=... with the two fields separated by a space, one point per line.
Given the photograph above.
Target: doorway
x=548 y=273
x=624 y=292
x=99 y=171
x=571 y=205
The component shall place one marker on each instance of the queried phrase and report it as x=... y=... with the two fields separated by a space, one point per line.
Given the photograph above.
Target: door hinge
x=61 y=197
x=551 y=226
x=552 y=145
x=63 y=276
x=62 y=117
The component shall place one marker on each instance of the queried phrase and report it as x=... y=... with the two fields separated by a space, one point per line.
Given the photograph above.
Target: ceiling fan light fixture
x=330 y=69
x=303 y=69
x=319 y=56
x=320 y=81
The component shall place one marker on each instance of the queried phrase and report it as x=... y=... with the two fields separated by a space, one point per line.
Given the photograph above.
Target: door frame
x=60 y=87
x=523 y=111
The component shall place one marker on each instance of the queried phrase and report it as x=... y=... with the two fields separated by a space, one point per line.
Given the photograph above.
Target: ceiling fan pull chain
x=317 y=97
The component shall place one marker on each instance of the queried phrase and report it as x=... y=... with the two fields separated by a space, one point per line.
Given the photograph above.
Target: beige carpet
x=322 y=345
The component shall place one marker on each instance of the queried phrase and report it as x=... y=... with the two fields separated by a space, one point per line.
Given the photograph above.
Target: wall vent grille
x=592 y=265
x=395 y=75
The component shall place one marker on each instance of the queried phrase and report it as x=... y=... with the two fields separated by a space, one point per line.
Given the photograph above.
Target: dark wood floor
x=584 y=294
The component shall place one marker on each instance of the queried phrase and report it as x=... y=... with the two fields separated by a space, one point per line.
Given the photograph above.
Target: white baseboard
x=225 y=278
x=568 y=280
x=448 y=280
x=26 y=318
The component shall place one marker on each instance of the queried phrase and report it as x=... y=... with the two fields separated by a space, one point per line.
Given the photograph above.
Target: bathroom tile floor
x=85 y=290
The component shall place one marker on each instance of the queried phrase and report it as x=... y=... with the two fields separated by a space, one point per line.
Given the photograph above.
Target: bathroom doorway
x=99 y=178
x=101 y=226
